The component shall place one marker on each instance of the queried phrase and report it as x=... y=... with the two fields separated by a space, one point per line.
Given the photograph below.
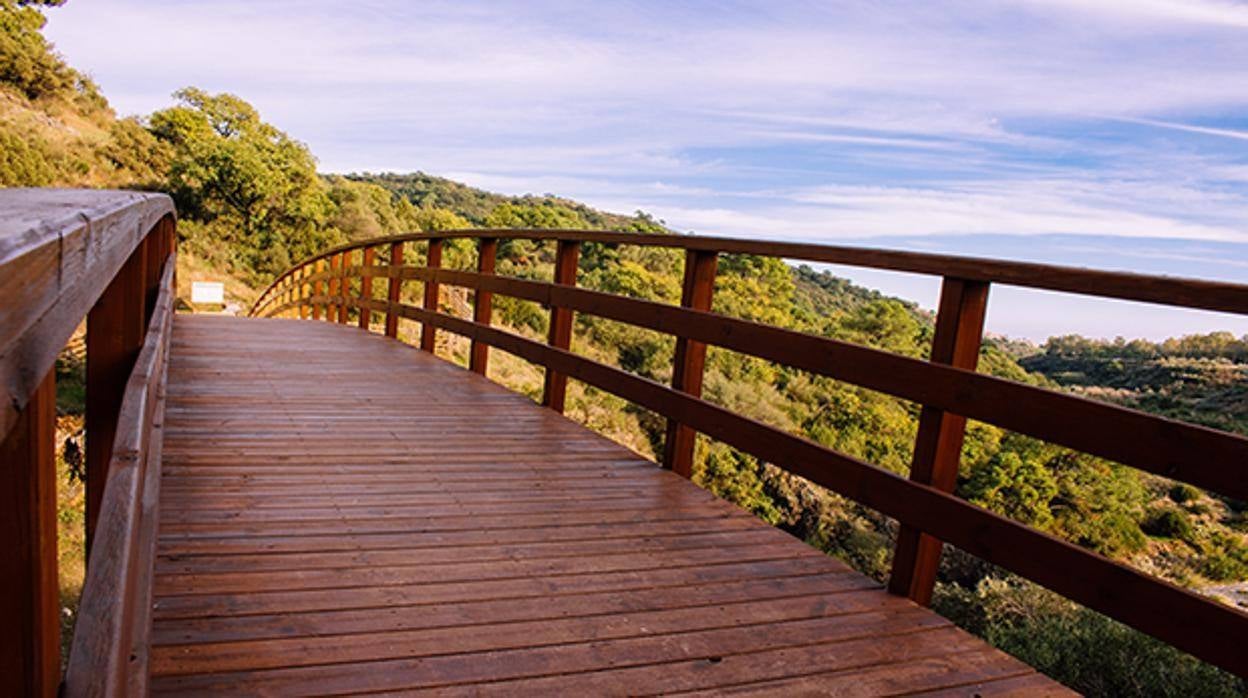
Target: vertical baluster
x=115 y=328
x=938 y=446
x=318 y=285
x=555 y=389
x=482 y=304
x=394 y=289
x=366 y=287
x=301 y=291
x=428 y=333
x=690 y=359
x=331 y=304
x=29 y=600
x=344 y=286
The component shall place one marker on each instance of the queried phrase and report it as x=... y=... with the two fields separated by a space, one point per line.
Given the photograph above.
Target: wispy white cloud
x=1189 y=128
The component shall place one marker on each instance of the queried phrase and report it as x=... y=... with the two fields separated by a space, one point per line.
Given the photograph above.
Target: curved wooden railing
x=108 y=257
x=950 y=391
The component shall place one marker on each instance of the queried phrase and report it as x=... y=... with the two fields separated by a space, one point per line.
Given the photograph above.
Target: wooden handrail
x=1163 y=290
x=110 y=648
x=947 y=387
x=66 y=255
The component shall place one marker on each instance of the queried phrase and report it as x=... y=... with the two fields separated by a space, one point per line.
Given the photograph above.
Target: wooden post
x=344 y=286
x=153 y=261
x=428 y=333
x=318 y=286
x=300 y=287
x=482 y=304
x=366 y=287
x=690 y=359
x=30 y=652
x=115 y=329
x=567 y=256
x=335 y=288
x=938 y=446
x=394 y=289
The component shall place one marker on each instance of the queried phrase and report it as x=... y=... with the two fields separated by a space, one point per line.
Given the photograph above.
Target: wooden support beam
x=482 y=304
x=30 y=654
x=115 y=329
x=344 y=286
x=366 y=287
x=394 y=289
x=690 y=358
x=938 y=446
x=567 y=256
x=300 y=295
x=429 y=333
x=318 y=287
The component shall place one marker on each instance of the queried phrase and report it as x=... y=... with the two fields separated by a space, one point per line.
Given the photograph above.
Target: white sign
x=208 y=292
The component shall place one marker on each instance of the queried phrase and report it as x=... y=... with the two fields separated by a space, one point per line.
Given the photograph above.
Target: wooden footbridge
x=297 y=503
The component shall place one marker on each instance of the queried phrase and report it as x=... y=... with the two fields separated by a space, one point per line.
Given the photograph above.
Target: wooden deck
x=341 y=513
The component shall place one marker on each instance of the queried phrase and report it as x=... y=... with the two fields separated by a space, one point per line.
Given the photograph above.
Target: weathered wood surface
x=59 y=248
x=109 y=652
x=411 y=526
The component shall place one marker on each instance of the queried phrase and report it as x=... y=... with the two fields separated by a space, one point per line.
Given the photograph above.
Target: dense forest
x=251 y=202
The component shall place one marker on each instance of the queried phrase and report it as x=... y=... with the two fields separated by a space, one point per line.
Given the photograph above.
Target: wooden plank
x=115 y=329
x=836 y=592
x=840 y=642
x=366 y=287
x=690 y=359
x=433 y=260
x=938 y=446
x=394 y=289
x=30 y=653
x=482 y=304
x=521 y=634
x=555 y=384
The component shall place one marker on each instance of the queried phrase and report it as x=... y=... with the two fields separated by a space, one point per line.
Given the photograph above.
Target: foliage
x=1168 y=522
x=1083 y=649
x=27 y=62
x=229 y=164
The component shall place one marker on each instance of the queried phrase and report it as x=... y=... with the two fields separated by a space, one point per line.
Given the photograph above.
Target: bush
x=1082 y=649
x=1168 y=522
x=1183 y=492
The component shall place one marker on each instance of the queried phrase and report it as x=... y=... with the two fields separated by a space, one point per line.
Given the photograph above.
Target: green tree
x=27 y=61
x=1015 y=485
x=230 y=165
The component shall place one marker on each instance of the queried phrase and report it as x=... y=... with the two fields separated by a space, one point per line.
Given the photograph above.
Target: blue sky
x=1109 y=133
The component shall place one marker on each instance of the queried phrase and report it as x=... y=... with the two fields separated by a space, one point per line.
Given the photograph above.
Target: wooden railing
x=947 y=386
x=108 y=257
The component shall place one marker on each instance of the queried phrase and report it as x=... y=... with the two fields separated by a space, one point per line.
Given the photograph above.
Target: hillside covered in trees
x=251 y=202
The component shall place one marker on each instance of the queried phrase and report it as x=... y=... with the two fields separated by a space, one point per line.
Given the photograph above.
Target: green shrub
x=1168 y=522
x=1183 y=492
x=1082 y=649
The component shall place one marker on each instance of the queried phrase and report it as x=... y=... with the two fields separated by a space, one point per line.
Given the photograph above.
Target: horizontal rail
x=110 y=641
x=53 y=270
x=1163 y=290
x=1212 y=459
